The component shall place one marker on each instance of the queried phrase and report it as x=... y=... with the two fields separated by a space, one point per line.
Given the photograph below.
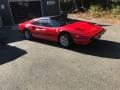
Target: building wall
x=0 y=22
x=5 y=12
x=47 y=8
x=21 y=0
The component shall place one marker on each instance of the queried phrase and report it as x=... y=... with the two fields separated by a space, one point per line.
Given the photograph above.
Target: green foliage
x=96 y=11
x=115 y=11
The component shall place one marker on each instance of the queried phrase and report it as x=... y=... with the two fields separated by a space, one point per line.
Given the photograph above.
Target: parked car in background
x=65 y=31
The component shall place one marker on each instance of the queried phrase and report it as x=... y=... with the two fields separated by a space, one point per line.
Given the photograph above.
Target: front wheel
x=27 y=34
x=65 y=40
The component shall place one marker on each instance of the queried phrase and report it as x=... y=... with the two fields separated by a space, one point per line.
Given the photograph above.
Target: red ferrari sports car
x=65 y=31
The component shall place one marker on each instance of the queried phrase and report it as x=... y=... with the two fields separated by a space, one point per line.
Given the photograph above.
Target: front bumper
x=85 y=41
x=82 y=41
x=97 y=36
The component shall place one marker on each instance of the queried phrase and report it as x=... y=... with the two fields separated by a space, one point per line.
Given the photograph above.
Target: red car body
x=81 y=32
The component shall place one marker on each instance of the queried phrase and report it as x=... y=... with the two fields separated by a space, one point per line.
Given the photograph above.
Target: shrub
x=115 y=11
x=96 y=11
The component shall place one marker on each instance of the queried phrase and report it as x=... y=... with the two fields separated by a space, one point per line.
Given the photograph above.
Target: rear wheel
x=27 y=34
x=65 y=40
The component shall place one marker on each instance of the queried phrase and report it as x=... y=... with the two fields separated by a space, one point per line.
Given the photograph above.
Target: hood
x=85 y=28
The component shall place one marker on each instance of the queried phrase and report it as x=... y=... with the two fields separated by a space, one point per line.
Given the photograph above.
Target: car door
x=50 y=31
x=43 y=30
x=37 y=30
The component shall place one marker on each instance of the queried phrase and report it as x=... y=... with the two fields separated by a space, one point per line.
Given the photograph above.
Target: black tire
x=65 y=40
x=27 y=34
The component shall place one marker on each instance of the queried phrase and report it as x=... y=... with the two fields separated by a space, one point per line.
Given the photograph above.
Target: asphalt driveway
x=42 y=65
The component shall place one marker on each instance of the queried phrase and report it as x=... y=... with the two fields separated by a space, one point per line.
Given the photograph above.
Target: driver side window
x=45 y=23
x=36 y=23
x=42 y=22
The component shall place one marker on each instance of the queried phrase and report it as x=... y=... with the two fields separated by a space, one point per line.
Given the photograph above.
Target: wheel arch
x=71 y=42
x=25 y=29
x=63 y=32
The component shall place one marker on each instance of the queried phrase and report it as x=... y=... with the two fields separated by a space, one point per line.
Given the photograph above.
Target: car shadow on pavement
x=10 y=36
x=10 y=53
x=100 y=48
x=15 y=36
